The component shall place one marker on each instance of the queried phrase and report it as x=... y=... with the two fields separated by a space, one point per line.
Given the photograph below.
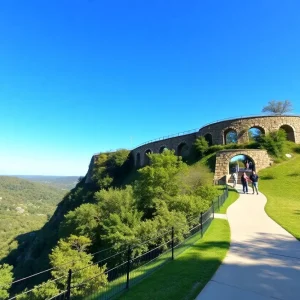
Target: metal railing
x=127 y=269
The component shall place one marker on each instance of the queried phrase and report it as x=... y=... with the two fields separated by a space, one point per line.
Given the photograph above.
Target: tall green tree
x=6 y=279
x=278 y=107
x=71 y=253
x=84 y=220
x=158 y=180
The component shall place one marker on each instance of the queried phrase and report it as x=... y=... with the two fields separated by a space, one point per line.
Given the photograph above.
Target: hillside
x=24 y=207
x=60 y=182
x=107 y=215
x=75 y=205
x=280 y=183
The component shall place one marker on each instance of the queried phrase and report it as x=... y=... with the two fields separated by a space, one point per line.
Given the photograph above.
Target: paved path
x=263 y=261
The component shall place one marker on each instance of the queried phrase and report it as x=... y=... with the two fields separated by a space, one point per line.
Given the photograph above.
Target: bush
x=201 y=145
x=296 y=149
x=274 y=143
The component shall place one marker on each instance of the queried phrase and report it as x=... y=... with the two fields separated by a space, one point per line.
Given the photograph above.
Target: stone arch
x=183 y=149
x=230 y=136
x=146 y=158
x=260 y=158
x=162 y=149
x=255 y=131
x=290 y=132
x=138 y=160
x=208 y=138
x=241 y=160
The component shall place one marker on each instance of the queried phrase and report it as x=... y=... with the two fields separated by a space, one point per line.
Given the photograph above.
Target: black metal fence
x=130 y=270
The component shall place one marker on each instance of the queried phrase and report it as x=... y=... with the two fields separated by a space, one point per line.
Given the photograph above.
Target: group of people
x=245 y=179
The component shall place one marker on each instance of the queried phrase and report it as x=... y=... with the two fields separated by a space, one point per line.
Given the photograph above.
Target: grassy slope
x=37 y=202
x=281 y=184
x=186 y=276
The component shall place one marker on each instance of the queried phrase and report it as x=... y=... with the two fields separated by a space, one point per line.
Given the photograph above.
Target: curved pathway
x=263 y=261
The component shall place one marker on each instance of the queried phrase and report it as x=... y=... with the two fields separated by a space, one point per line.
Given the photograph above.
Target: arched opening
x=146 y=157
x=162 y=149
x=241 y=163
x=138 y=160
x=208 y=138
x=255 y=132
x=290 y=134
x=230 y=136
x=183 y=150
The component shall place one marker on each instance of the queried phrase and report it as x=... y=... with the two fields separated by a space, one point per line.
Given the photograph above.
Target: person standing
x=247 y=165
x=254 y=179
x=234 y=179
x=244 y=180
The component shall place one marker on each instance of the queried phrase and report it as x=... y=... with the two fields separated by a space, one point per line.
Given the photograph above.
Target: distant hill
x=60 y=182
x=24 y=207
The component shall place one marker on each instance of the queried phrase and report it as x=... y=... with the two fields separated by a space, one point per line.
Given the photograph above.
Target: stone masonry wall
x=170 y=143
x=260 y=158
x=217 y=130
x=242 y=125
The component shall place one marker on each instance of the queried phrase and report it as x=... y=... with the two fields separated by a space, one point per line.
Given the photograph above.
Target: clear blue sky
x=84 y=76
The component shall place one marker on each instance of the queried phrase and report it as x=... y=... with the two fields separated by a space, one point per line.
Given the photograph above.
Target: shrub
x=274 y=143
x=296 y=149
x=201 y=145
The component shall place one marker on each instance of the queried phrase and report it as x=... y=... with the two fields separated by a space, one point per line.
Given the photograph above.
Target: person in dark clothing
x=254 y=179
x=244 y=180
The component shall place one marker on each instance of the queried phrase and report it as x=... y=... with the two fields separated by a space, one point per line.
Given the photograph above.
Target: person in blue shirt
x=254 y=179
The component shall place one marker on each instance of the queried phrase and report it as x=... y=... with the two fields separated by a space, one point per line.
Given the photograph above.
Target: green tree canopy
x=71 y=253
x=158 y=180
x=6 y=279
x=84 y=220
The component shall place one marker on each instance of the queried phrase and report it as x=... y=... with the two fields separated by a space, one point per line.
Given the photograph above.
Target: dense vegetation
x=24 y=208
x=186 y=276
x=127 y=207
x=166 y=193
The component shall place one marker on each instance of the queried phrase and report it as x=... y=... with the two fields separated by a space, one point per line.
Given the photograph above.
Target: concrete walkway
x=263 y=261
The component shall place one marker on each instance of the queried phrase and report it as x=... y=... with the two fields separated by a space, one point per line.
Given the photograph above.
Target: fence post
x=201 y=222
x=68 y=294
x=128 y=266
x=213 y=208
x=219 y=202
x=172 y=243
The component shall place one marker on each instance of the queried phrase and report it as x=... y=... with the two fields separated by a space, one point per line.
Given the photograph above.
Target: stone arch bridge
x=215 y=134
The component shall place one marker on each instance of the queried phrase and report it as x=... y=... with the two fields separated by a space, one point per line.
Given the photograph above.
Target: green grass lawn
x=281 y=185
x=186 y=276
x=232 y=197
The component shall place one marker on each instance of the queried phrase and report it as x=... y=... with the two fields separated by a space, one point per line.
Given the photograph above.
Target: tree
x=46 y=290
x=6 y=279
x=158 y=180
x=71 y=253
x=84 y=220
x=201 y=145
x=278 y=107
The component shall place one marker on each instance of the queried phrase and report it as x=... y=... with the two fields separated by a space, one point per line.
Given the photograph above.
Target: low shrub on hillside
x=274 y=142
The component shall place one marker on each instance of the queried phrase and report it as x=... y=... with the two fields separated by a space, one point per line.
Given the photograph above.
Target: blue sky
x=83 y=76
